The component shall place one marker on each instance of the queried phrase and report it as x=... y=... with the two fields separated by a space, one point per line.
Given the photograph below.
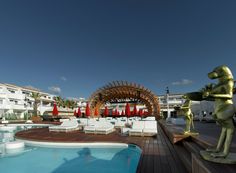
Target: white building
x=168 y=103
x=121 y=106
x=17 y=100
x=198 y=108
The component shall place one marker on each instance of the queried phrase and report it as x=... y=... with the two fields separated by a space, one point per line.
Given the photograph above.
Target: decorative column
x=167 y=102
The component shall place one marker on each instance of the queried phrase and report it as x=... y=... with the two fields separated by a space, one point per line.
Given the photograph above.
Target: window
x=1 y=102
x=26 y=93
x=11 y=91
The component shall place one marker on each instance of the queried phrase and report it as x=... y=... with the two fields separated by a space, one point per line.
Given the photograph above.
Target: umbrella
x=87 y=110
x=135 y=112
x=54 y=111
x=75 y=114
x=79 y=112
x=106 y=112
x=96 y=112
x=113 y=113
x=140 y=113
x=116 y=112
x=127 y=110
x=122 y=113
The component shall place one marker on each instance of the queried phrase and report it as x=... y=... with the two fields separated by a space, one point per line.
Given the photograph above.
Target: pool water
x=73 y=160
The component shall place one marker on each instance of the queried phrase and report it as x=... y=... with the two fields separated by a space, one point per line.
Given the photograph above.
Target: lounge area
x=134 y=126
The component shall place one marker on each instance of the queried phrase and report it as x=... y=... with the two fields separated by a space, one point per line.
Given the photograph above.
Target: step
x=174 y=133
x=192 y=147
x=188 y=150
x=184 y=156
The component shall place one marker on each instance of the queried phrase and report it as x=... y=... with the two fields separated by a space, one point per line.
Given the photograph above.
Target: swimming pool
x=106 y=159
x=44 y=157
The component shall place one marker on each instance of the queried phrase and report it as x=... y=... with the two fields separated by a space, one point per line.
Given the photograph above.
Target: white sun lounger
x=120 y=124
x=104 y=128
x=99 y=128
x=83 y=121
x=137 y=128
x=150 y=128
x=149 y=119
x=89 y=129
x=66 y=126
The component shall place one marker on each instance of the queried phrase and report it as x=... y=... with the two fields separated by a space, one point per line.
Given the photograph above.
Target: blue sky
x=74 y=47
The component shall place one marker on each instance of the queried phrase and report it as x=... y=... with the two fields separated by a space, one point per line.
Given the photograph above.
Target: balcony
x=18 y=107
x=15 y=96
x=2 y=95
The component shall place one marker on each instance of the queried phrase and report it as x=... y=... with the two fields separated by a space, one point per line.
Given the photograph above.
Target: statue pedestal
x=192 y=133
x=230 y=159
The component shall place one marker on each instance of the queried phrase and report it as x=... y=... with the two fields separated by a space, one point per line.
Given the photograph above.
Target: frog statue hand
x=222 y=94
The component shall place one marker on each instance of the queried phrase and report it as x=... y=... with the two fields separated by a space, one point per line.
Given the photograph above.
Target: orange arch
x=125 y=90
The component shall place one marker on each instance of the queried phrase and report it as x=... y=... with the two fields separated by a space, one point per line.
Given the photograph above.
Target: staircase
x=188 y=149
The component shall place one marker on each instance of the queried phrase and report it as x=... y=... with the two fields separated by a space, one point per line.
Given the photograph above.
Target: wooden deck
x=189 y=147
x=158 y=154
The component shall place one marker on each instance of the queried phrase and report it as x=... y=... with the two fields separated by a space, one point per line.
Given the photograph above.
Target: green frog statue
x=186 y=109
x=222 y=94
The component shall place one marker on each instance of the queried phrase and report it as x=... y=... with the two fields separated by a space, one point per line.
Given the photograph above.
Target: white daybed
x=150 y=128
x=137 y=128
x=66 y=126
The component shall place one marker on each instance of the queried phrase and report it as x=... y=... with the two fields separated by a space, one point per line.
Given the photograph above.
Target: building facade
x=169 y=103
x=15 y=100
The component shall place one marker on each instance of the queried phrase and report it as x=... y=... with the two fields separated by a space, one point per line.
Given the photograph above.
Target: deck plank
x=178 y=166
x=166 y=164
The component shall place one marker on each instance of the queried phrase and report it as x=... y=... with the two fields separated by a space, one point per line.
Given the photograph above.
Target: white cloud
x=55 y=89
x=63 y=78
x=183 y=82
x=72 y=98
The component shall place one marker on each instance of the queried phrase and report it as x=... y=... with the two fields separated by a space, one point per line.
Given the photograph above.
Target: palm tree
x=66 y=103
x=73 y=104
x=36 y=96
x=59 y=101
x=69 y=104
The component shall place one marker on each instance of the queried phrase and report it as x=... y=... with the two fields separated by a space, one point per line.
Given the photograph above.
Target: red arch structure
x=125 y=90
